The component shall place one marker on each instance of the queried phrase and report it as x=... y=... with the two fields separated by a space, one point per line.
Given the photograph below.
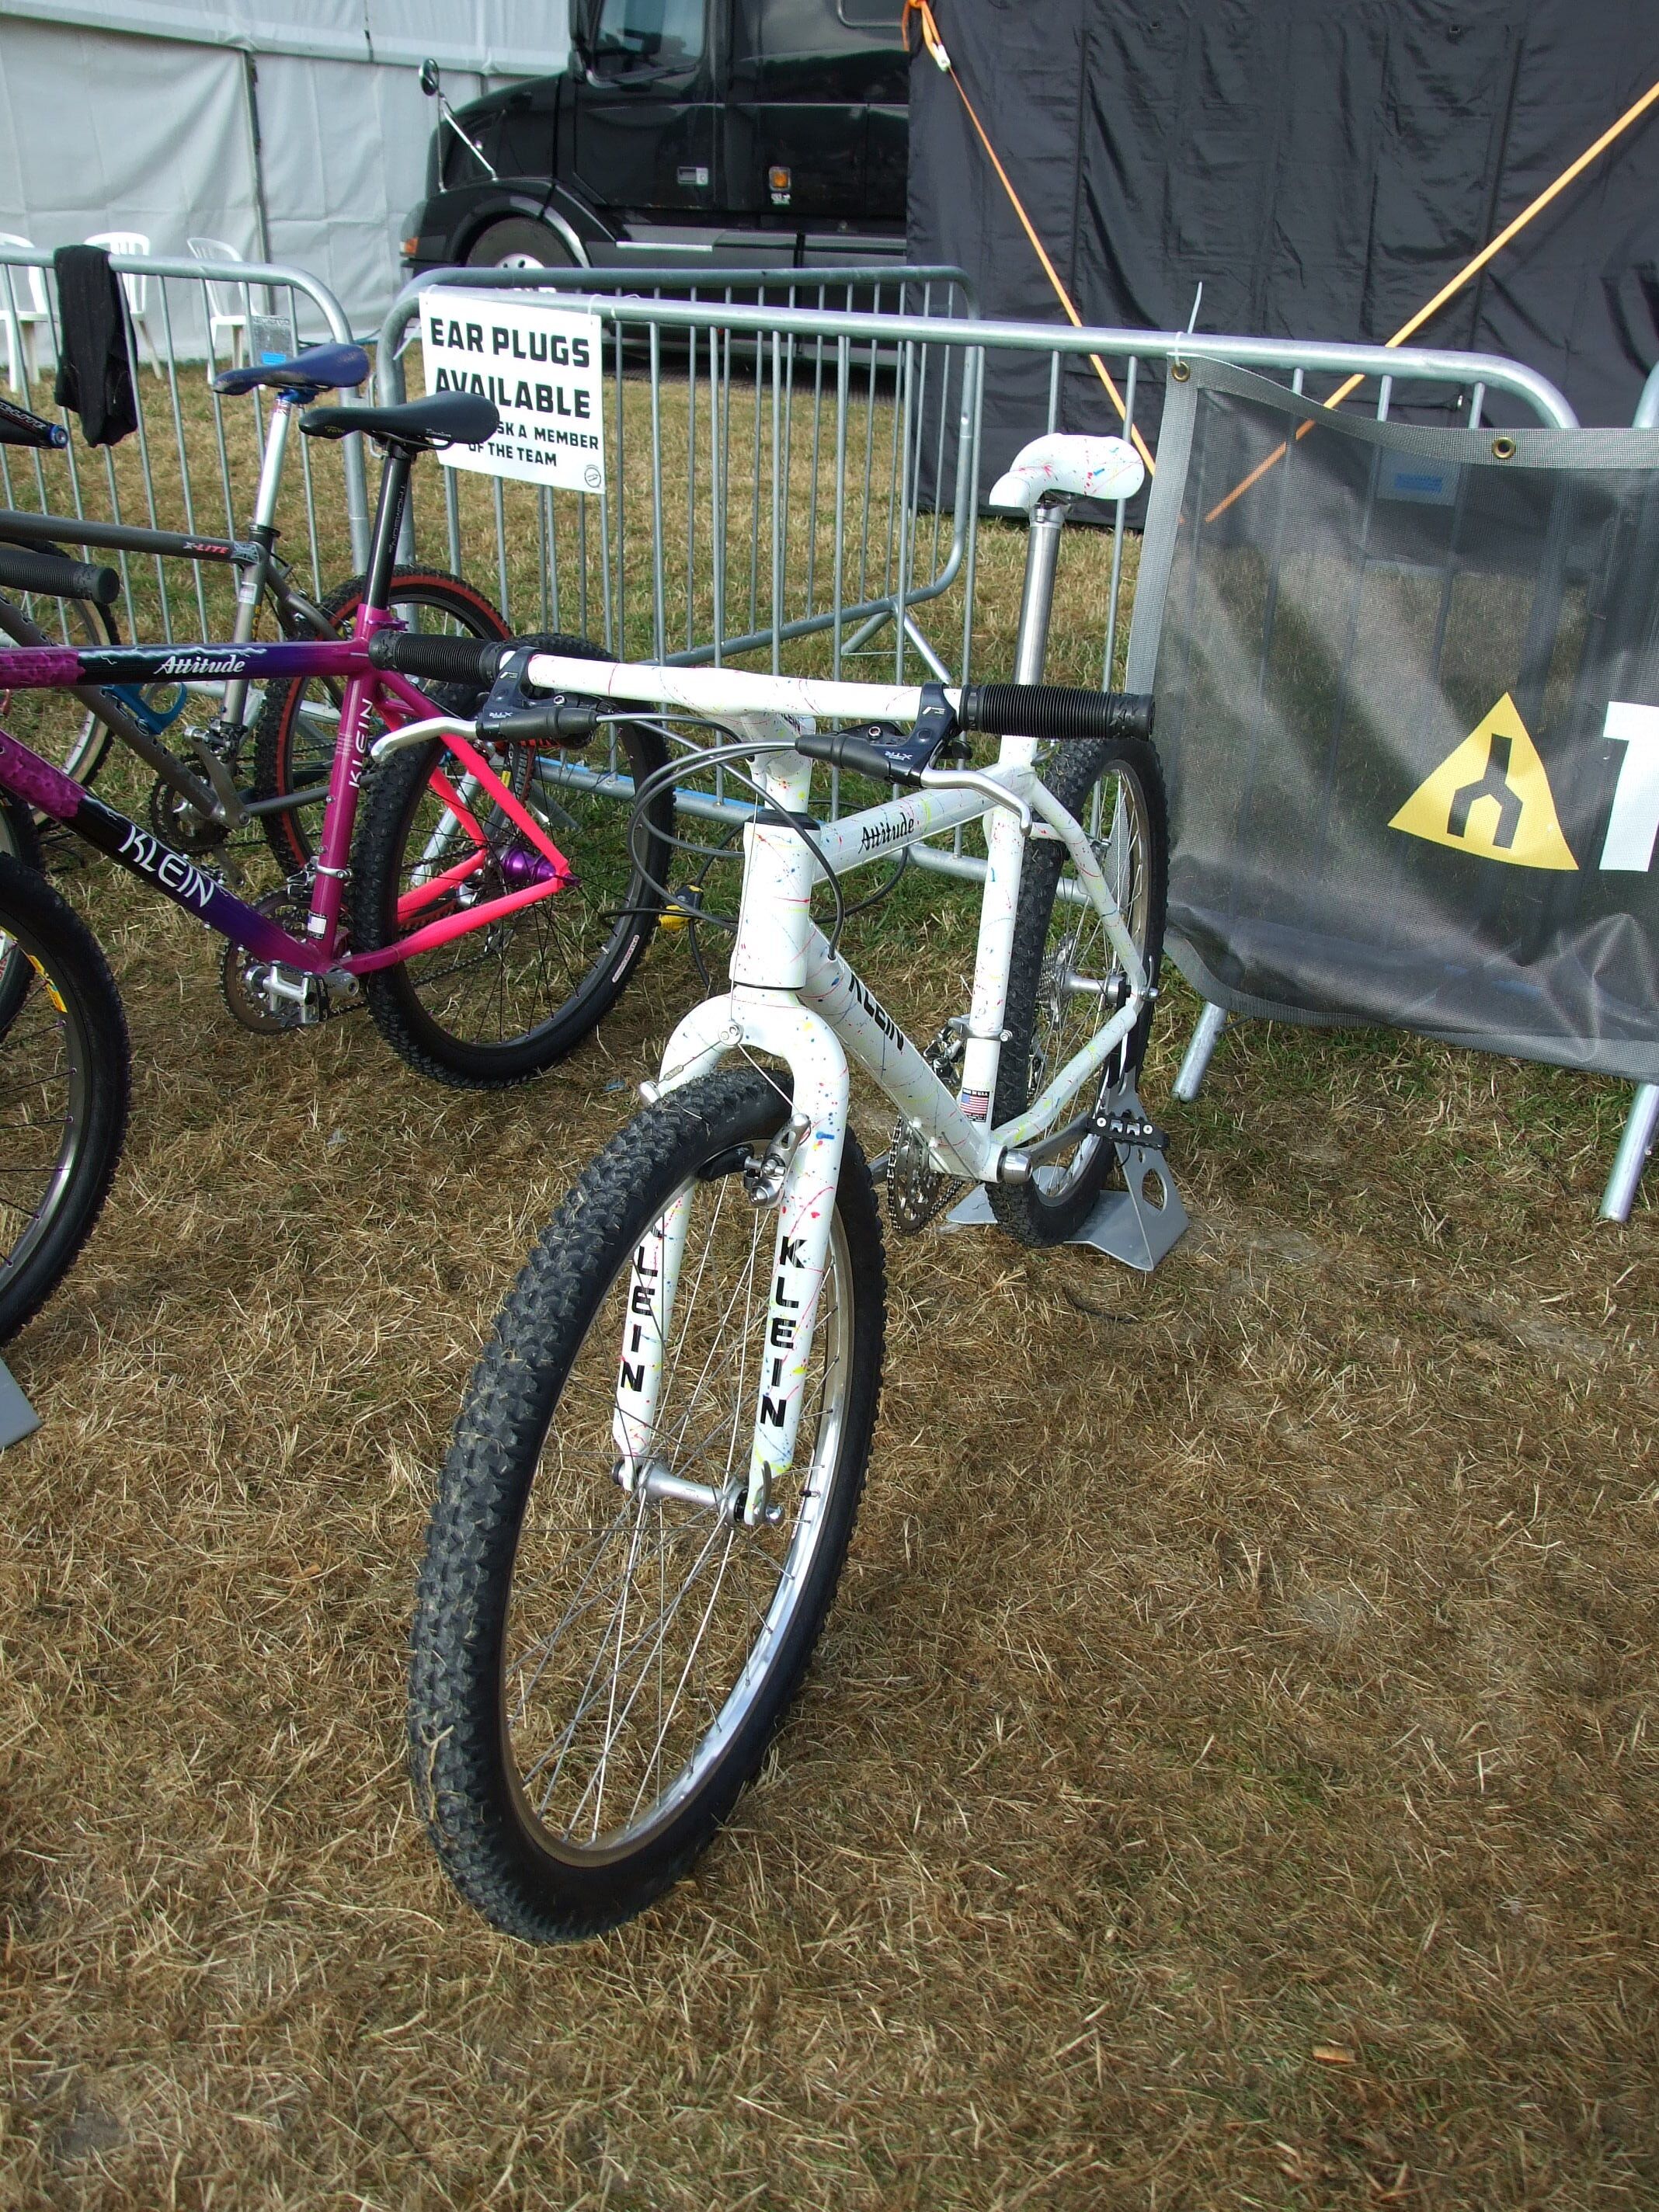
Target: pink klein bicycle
x=488 y=912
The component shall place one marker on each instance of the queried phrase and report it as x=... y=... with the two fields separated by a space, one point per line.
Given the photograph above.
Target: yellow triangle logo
x=1491 y=796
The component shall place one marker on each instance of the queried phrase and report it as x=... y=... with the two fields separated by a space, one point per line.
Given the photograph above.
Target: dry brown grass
x=1226 y=1778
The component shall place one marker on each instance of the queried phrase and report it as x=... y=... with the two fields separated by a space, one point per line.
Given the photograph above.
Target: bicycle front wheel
x=1065 y=980
x=596 y=1675
x=299 y=726
x=64 y=1067
x=498 y=1004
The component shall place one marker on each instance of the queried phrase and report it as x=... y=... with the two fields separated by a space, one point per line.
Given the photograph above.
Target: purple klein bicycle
x=487 y=910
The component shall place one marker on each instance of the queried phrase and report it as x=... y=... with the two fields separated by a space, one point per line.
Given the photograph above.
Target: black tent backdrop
x=1321 y=170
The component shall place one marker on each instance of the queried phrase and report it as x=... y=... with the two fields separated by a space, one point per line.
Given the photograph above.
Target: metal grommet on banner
x=1503 y=449
x=1179 y=371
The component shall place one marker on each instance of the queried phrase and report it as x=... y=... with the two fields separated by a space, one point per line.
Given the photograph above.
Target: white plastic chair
x=223 y=312
x=22 y=305
x=135 y=287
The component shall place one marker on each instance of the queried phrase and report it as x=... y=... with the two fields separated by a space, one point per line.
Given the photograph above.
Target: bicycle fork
x=796 y=1175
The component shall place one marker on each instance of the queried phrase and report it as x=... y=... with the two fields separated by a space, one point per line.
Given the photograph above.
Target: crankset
x=177 y=822
x=267 y=996
x=173 y=817
x=917 y=1190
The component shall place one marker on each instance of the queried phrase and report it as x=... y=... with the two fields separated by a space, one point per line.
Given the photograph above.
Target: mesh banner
x=1408 y=705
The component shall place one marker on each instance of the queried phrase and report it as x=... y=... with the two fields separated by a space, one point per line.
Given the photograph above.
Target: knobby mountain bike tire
x=596 y=1675
x=294 y=737
x=65 y=1078
x=1065 y=980
x=502 y=1003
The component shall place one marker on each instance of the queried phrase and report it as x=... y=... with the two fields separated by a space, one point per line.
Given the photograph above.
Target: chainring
x=917 y=1191
x=240 y=969
x=177 y=823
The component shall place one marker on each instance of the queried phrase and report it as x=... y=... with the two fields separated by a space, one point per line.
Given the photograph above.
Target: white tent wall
x=103 y=132
x=301 y=132
x=343 y=156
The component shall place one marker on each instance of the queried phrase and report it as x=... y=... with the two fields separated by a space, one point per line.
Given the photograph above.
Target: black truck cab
x=759 y=132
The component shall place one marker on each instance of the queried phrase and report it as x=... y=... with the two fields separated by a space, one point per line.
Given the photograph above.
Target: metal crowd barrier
x=797 y=477
x=760 y=483
x=794 y=460
x=194 y=463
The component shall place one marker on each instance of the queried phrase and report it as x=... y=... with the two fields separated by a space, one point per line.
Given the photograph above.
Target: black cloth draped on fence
x=95 y=374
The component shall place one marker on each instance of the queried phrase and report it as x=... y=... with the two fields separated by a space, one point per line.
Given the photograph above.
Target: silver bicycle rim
x=670 y=1616
x=1083 y=983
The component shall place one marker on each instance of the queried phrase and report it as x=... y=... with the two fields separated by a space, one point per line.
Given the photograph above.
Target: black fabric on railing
x=1407 y=690
x=1322 y=172
x=95 y=374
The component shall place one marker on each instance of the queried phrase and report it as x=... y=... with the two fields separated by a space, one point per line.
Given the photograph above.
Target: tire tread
x=476 y=1517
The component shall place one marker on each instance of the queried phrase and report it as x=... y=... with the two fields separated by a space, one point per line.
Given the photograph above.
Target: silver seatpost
x=251 y=582
x=1036 y=602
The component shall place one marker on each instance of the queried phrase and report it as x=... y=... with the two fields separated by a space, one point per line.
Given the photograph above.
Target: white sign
x=540 y=364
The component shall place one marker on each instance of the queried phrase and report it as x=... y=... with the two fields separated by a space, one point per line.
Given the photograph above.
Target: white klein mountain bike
x=657 y=1465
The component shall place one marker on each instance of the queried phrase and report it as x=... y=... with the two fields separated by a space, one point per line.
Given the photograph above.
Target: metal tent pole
x=1625 y=1180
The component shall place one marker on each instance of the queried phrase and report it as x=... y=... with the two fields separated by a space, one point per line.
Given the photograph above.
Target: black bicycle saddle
x=442 y=419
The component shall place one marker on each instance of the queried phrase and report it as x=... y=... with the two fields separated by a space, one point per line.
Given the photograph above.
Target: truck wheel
x=520 y=243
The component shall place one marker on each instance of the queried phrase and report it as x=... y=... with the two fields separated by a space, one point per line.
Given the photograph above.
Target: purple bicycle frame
x=544 y=870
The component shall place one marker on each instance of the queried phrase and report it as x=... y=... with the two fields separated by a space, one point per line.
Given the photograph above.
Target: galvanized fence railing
x=920 y=400
x=193 y=462
x=761 y=484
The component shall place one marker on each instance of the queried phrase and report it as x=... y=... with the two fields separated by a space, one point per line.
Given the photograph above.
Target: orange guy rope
x=1573 y=170
x=935 y=47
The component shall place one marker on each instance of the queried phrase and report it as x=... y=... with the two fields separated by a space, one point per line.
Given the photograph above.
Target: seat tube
x=251 y=580
x=388 y=519
x=340 y=815
x=1004 y=841
x=351 y=748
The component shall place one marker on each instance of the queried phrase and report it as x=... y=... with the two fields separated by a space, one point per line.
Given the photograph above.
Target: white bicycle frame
x=792 y=999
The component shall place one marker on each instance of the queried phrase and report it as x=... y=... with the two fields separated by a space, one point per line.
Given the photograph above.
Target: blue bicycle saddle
x=303 y=376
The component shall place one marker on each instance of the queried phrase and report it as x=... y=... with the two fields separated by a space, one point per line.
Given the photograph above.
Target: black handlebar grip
x=841 y=749
x=19 y=428
x=438 y=659
x=561 y=722
x=59 y=579
x=1052 y=711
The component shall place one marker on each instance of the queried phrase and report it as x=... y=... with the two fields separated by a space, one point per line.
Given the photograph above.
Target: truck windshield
x=661 y=33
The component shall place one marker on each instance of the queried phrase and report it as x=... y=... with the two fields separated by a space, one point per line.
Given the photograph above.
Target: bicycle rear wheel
x=298 y=725
x=64 y=1073
x=596 y=1675
x=1064 y=979
x=54 y=724
x=500 y=1004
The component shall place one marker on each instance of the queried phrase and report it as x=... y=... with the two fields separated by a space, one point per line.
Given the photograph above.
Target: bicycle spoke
x=657 y=1612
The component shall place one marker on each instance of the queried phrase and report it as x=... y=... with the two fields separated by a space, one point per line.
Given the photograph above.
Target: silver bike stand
x=1137 y=1224
x=18 y=1418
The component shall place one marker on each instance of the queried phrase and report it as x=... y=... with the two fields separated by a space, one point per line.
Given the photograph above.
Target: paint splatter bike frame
x=371 y=695
x=794 y=998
